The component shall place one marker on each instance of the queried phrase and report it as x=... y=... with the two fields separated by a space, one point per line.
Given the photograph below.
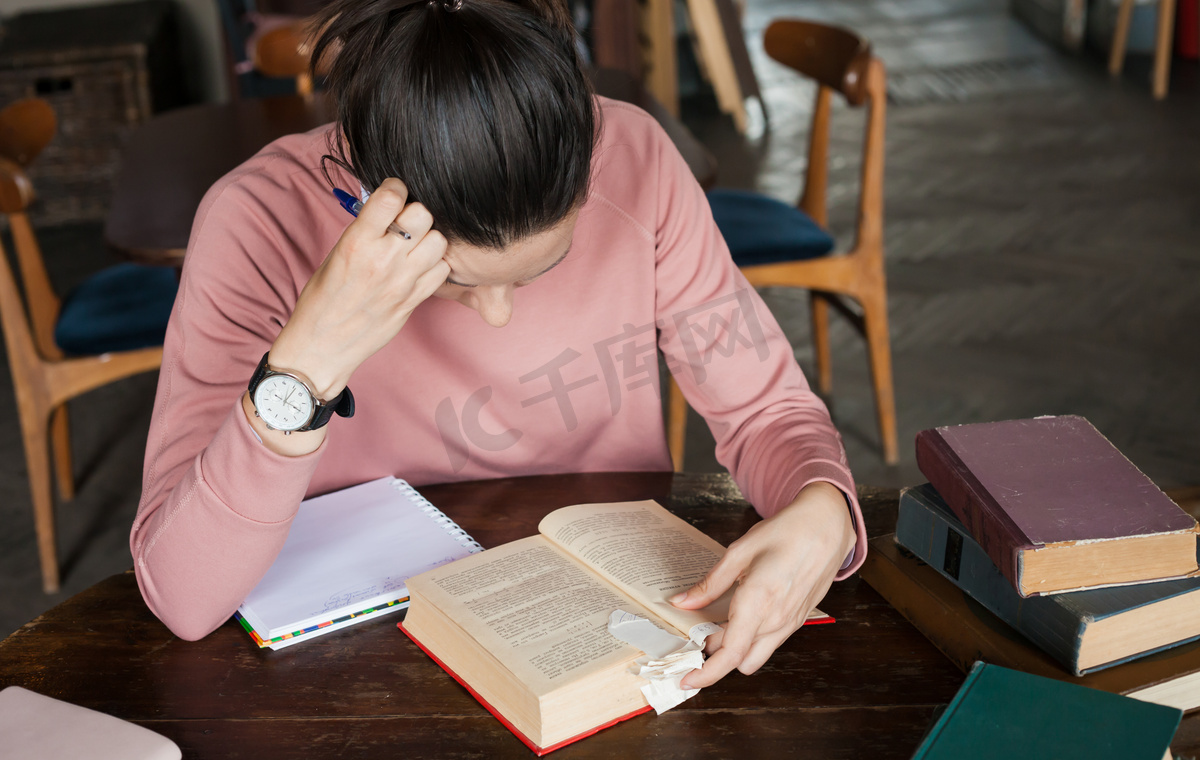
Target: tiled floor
x=1043 y=233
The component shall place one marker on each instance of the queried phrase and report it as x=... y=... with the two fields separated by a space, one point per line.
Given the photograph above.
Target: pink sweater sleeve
x=733 y=362
x=216 y=504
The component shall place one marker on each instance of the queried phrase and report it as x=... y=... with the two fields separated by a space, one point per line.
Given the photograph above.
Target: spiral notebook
x=347 y=558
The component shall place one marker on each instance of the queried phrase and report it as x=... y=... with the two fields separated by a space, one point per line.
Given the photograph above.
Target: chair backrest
x=836 y=58
x=285 y=52
x=239 y=23
x=16 y=192
x=839 y=61
x=26 y=127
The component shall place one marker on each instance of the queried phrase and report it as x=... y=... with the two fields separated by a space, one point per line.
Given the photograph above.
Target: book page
x=645 y=550
x=536 y=609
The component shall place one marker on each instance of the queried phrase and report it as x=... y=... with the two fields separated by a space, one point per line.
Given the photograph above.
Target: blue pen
x=354 y=205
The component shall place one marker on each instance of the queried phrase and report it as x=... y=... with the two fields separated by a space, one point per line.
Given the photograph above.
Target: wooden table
x=865 y=687
x=170 y=161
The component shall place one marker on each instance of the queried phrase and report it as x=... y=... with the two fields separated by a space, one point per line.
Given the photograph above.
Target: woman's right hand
x=364 y=291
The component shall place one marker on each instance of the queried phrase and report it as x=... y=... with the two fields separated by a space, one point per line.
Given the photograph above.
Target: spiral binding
x=438 y=516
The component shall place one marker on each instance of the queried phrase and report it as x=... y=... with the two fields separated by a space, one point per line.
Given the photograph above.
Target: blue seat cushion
x=762 y=230
x=118 y=309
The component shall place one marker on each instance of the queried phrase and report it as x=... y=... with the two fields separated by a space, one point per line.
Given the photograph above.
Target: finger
x=428 y=283
x=426 y=255
x=382 y=208
x=713 y=585
x=713 y=642
x=744 y=622
x=761 y=650
x=415 y=219
x=715 y=668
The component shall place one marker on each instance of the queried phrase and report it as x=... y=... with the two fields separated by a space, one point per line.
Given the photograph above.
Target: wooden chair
x=840 y=61
x=1164 y=43
x=284 y=52
x=244 y=24
x=43 y=377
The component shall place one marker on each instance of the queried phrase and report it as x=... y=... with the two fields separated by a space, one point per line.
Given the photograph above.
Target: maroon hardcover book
x=1056 y=506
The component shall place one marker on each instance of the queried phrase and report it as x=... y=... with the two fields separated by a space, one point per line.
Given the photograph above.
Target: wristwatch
x=286 y=401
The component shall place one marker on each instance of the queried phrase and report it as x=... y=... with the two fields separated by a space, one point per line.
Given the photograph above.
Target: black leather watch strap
x=341 y=404
x=259 y=373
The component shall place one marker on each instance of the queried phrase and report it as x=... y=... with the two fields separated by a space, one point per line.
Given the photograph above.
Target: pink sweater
x=569 y=385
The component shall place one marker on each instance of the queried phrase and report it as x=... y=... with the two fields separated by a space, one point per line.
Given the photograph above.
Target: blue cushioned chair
x=122 y=308
x=762 y=230
x=114 y=322
x=775 y=244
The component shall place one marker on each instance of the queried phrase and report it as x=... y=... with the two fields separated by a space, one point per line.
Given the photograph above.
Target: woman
x=500 y=184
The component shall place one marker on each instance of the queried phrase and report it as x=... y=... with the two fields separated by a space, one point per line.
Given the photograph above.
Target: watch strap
x=341 y=404
x=259 y=373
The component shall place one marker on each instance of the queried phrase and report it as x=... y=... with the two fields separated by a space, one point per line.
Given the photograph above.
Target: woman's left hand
x=784 y=565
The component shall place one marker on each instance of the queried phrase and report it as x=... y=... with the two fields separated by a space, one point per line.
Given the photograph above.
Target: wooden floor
x=1043 y=234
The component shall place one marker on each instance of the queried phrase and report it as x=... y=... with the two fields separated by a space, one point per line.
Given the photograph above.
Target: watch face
x=283 y=402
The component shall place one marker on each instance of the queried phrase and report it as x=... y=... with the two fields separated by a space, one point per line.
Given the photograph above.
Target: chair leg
x=875 y=325
x=1116 y=57
x=37 y=458
x=677 y=411
x=1164 y=44
x=819 y=307
x=60 y=441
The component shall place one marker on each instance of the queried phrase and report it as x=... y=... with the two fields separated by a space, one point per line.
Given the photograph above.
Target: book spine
x=942 y=543
x=982 y=515
x=438 y=516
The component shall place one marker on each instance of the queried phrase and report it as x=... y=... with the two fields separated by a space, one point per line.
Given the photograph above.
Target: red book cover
x=539 y=751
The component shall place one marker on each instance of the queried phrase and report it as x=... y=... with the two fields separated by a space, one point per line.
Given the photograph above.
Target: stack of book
x=1046 y=526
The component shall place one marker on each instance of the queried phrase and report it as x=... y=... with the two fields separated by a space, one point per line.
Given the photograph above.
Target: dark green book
x=1084 y=630
x=1002 y=714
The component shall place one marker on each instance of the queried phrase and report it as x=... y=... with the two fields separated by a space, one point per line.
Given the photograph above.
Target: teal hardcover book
x=1002 y=714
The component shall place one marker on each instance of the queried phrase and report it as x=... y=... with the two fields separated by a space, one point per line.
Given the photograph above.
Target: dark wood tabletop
x=170 y=161
x=865 y=687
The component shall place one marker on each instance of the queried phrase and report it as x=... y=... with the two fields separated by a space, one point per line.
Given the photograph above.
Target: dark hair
x=481 y=107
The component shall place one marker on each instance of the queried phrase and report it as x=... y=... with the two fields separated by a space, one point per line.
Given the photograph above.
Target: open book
x=524 y=626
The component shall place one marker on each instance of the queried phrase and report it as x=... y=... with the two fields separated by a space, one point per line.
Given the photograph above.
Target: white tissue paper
x=668 y=657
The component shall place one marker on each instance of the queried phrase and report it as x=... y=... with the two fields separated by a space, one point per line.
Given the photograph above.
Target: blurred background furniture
x=104 y=69
x=612 y=33
x=246 y=25
x=108 y=328
x=720 y=46
x=172 y=160
x=640 y=38
x=775 y=244
x=1164 y=43
x=283 y=53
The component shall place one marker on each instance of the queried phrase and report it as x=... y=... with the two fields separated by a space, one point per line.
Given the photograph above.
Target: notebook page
x=349 y=550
